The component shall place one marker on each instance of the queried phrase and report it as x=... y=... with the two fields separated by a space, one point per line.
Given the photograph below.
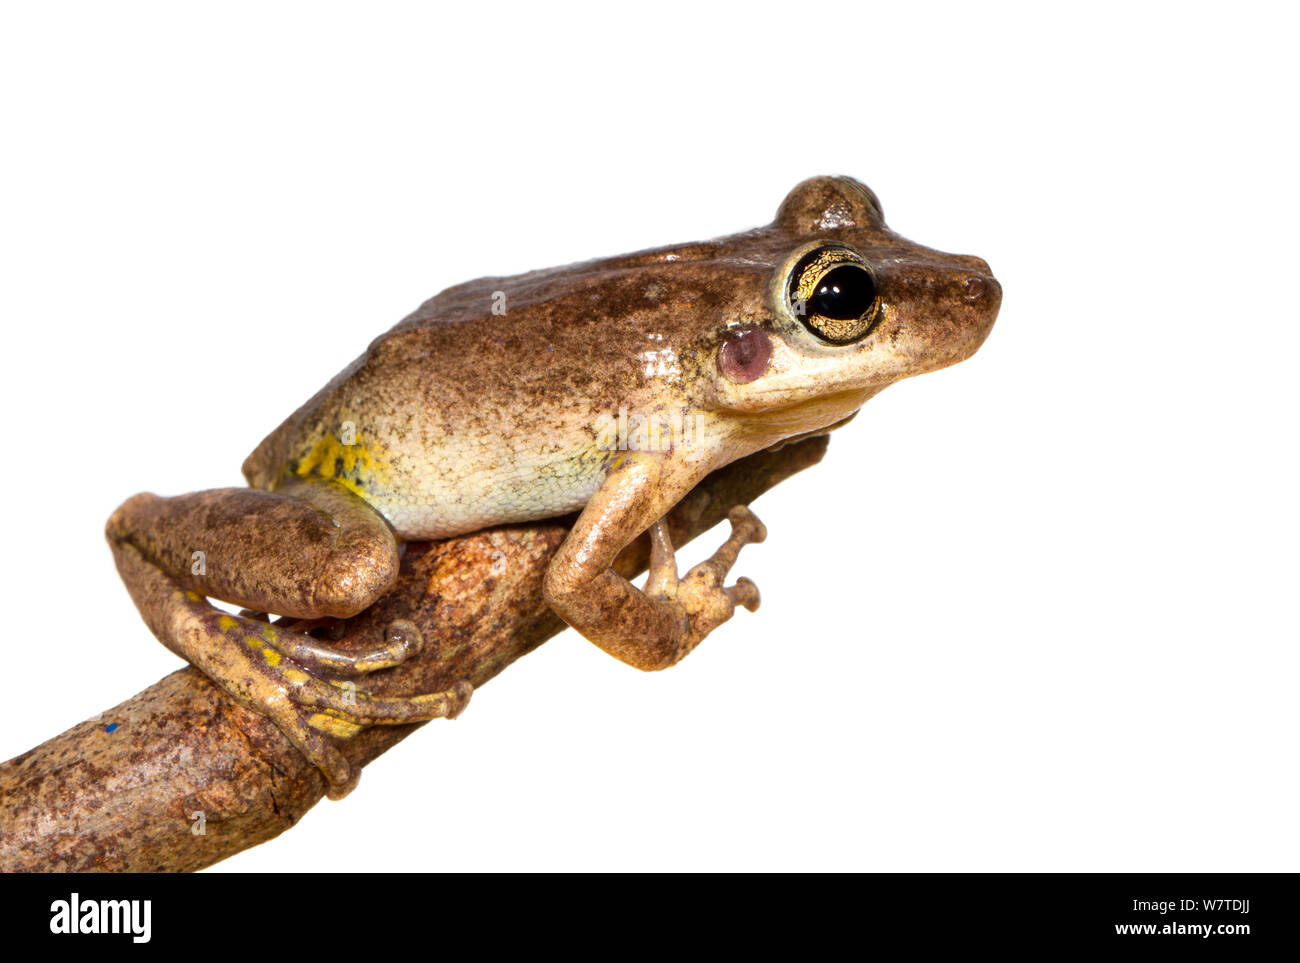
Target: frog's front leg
x=313 y=551
x=656 y=628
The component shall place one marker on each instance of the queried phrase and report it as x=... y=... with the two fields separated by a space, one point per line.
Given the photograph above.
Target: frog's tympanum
x=607 y=388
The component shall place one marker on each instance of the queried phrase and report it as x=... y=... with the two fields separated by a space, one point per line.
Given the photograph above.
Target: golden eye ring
x=833 y=291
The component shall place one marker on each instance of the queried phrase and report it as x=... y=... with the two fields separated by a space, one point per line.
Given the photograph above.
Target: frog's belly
x=455 y=495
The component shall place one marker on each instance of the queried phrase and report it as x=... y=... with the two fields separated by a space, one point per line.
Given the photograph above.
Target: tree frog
x=607 y=388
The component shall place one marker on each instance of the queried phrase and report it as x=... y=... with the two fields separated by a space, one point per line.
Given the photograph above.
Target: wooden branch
x=129 y=790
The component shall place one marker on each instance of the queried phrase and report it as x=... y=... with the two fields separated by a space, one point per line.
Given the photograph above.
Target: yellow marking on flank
x=296 y=676
x=226 y=623
x=272 y=657
x=360 y=462
x=194 y=596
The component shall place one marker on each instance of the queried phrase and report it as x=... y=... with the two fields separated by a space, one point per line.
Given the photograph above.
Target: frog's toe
x=702 y=593
x=359 y=709
x=707 y=603
x=340 y=776
x=701 y=596
x=402 y=639
x=745 y=594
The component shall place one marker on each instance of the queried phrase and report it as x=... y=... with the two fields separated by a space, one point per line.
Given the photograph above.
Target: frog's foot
x=286 y=676
x=283 y=674
x=705 y=603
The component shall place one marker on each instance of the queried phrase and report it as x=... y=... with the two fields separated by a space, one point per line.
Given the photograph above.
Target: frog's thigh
x=283 y=674
x=657 y=630
x=315 y=550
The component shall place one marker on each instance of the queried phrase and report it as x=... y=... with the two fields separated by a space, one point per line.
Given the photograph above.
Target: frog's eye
x=833 y=292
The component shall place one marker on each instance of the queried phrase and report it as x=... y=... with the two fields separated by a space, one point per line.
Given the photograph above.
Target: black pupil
x=845 y=293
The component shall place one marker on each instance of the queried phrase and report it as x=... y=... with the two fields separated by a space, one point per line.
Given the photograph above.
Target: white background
x=1034 y=612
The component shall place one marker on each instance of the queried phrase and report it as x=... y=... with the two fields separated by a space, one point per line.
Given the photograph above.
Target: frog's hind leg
x=322 y=552
x=310 y=550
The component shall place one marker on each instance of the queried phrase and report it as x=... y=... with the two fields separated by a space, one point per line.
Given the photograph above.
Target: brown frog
x=608 y=388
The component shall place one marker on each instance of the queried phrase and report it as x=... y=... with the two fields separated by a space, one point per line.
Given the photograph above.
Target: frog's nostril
x=981 y=290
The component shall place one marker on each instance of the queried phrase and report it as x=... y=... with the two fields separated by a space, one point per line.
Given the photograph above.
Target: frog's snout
x=972 y=297
x=983 y=296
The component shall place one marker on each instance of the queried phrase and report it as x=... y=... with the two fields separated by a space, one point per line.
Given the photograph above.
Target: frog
x=603 y=390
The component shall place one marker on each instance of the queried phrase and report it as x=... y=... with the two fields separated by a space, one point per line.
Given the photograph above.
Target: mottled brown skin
x=463 y=417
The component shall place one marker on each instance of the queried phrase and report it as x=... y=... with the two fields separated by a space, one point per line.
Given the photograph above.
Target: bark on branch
x=120 y=792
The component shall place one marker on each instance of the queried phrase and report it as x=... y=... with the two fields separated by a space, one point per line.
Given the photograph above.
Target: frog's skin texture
x=608 y=388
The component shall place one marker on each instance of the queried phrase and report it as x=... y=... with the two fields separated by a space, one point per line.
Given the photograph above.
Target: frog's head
x=848 y=308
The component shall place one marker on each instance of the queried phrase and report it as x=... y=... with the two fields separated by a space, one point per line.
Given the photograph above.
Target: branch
x=129 y=799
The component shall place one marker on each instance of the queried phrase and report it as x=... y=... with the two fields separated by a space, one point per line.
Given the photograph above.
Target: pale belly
x=463 y=490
